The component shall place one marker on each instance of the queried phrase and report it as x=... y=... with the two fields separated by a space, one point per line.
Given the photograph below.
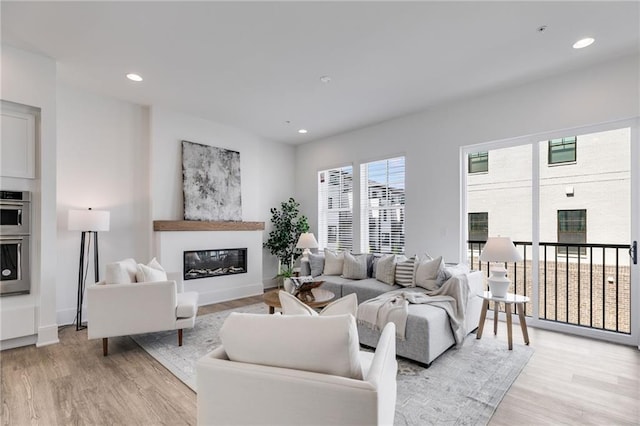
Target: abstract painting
x=211 y=182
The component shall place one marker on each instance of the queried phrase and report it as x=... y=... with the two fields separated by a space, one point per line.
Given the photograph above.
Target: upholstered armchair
x=296 y=370
x=139 y=307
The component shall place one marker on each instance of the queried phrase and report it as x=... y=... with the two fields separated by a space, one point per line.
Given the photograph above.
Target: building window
x=572 y=229
x=562 y=150
x=382 y=201
x=479 y=162
x=335 y=208
x=478 y=226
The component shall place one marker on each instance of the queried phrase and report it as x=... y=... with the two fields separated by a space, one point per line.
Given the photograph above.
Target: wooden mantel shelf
x=197 y=225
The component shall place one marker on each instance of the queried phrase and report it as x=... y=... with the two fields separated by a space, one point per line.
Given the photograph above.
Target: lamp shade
x=307 y=241
x=88 y=220
x=500 y=249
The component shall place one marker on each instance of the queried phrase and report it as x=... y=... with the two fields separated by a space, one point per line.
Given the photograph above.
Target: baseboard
x=210 y=297
x=18 y=342
x=47 y=335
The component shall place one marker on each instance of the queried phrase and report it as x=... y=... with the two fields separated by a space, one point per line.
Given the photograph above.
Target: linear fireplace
x=214 y=263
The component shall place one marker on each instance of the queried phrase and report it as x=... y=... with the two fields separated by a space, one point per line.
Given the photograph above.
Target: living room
x=107 y=151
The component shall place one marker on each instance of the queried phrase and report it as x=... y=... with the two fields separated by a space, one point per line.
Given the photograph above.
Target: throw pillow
x=151 y=272
x=122 y=272
x=454 y=270
x=316 y=262
x=322 y=344
x=405 y=272
x=429 y=273
x=355 y=267
x=333 y=262
x=291 y=305
x=386 y=269
x=372 y=259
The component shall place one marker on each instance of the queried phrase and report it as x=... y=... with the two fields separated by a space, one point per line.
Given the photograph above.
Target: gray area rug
x=462 y=387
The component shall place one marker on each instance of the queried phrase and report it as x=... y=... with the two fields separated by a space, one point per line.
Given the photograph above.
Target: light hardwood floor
x=569 y=380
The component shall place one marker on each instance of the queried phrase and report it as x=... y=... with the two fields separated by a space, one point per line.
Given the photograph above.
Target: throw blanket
x=393 y=306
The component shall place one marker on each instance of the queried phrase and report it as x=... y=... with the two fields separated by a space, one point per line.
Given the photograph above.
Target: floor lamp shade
x=89 y=222
x=500 y=250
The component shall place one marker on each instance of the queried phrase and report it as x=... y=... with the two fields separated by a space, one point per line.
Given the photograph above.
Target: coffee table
x=322 y=298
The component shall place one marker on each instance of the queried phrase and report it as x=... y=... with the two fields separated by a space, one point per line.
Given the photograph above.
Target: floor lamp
x=89 y=222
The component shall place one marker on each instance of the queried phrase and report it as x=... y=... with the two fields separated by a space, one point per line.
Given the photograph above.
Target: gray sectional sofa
x=428 y=331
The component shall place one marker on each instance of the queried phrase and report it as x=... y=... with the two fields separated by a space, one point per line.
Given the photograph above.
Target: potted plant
x=287 y=225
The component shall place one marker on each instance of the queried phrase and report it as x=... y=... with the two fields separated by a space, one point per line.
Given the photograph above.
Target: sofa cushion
x=122 y=272
x=333 y=262
x=187 y=304
x=355 y=266
x=366 y=289
x=316 y=264
x=322 y=344
x=386 y=269
x=430 y=273
x=405 y=272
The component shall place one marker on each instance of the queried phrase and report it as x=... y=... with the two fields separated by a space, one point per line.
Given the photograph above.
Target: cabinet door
x=18 y=150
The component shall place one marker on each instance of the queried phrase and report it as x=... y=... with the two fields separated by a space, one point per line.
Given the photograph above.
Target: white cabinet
x=18 y=148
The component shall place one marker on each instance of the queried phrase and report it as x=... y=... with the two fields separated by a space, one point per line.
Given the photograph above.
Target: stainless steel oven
x=15 y=213
x=15 y=233
x=14 y=270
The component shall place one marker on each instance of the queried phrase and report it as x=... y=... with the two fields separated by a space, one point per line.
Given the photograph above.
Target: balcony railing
x=587 y=285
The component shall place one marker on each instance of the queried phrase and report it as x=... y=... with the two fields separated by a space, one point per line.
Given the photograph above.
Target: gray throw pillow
x=316 y=261
x=355 y=267
x=386 y=269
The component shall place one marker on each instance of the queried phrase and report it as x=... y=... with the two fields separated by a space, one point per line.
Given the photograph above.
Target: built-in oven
x=15 y=209
x=15 y=233
x=14 y=270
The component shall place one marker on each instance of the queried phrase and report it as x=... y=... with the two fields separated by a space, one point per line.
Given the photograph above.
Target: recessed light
x=325 y=79
x=134 y=77
x=583 y=43
x=302 y=131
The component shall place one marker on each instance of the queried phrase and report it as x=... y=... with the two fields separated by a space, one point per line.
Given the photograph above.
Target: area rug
x=462 y=387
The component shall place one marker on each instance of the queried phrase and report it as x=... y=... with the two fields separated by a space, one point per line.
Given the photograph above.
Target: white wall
x=103 y=163
x=30 y=79
x=267 y=170
x=431 y=140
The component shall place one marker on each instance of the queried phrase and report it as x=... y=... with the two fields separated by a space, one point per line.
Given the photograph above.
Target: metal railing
x=587 y=285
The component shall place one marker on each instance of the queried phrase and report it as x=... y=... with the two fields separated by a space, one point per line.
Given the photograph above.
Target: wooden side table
x=510 y=299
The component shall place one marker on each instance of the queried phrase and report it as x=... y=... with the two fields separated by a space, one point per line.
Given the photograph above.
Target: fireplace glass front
x=214 y=263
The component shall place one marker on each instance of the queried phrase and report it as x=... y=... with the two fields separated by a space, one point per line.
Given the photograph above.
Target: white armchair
x=296 y=396
x=134 y=308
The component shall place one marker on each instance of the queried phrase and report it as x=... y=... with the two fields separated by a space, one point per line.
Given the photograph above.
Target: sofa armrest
x=123 y=309
x=279 y=395
x=382 y=374
x=177 y=277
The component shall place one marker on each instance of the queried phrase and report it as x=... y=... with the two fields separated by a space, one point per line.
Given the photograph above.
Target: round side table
x=322 y=298
x=510 y=299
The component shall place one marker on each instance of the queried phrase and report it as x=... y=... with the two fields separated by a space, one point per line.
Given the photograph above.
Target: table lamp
x=502 y=250
x=306 y=241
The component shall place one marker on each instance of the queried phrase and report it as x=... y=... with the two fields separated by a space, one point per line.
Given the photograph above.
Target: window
x=562 y=150
x=335 y=208
x=382 y=200
x=479 y=162
x=572 y=228
x=478 y=226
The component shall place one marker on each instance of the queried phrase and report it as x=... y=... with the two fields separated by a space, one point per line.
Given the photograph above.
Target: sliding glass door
x=567 y=200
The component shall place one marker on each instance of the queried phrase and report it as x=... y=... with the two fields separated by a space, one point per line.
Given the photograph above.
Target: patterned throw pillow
x=355 y=267
x=405 y=272
x=386 y=269
x=333 y=262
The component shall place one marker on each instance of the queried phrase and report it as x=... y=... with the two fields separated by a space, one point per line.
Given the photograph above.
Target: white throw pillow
x=151 y=272
x=333 y=262
x=429 y=273
x=291 y=305
x=355 y=267
x=122 y=272
x=322 y=344
x=386 y=269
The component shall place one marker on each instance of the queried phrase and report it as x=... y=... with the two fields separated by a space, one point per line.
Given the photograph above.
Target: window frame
x=582 y=251
x=471 y=222
x=562 y=142
x=330 y=232
x=472 y=159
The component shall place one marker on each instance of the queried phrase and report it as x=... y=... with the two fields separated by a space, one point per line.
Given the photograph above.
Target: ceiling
x=257 y=65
